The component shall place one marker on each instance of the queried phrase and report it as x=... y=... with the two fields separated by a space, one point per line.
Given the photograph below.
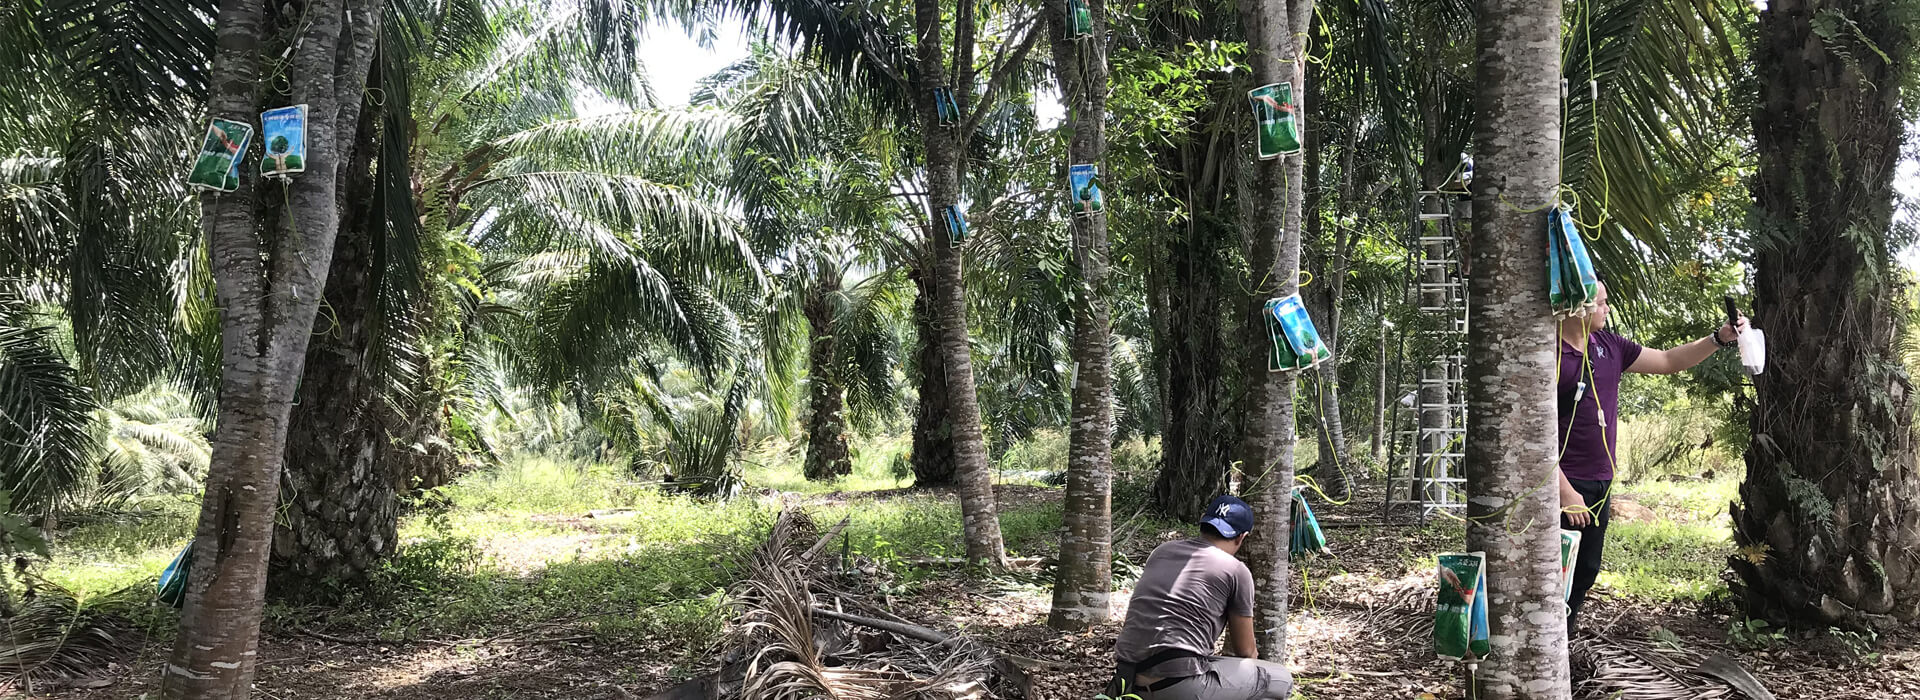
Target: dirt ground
x=1359 y=631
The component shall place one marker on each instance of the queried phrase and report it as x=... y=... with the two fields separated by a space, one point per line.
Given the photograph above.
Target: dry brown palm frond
x=959 y=676
x=794 y=680
x=1634 y=672
x=780 y=634
x=56 y=635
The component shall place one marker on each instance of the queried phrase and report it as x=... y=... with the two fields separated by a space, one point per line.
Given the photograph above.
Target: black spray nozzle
x=1733 y=312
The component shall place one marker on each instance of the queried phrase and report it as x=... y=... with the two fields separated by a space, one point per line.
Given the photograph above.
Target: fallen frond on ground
x=1630 y=671
x=794 y=637
x=54 y=636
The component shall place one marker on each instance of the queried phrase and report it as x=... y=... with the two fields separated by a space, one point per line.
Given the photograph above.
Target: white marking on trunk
x=228 y=665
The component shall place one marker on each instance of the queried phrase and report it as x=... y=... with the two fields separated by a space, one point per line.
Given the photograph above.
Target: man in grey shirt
x=1189 y=592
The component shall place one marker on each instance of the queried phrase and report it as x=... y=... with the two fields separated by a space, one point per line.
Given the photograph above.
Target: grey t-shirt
x=1186 y=591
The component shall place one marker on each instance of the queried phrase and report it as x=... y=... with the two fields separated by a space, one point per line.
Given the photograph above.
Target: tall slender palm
x=1510 y=447
x=268 y=288
x=1084 y=584
x=1275 y=30
x=812 y=175
x=846 y=39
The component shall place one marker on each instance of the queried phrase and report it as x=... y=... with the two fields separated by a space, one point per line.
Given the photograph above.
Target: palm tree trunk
x=268 y=288
x=341 y=487
x=1829 y=513
x=1380 y=425
x=1512 y=505
x=944 y=147
x=933 y=453
x=1084 y=584
x=1191 y=346
x=1323 y=299
x=1273 y=28
x=827 y=455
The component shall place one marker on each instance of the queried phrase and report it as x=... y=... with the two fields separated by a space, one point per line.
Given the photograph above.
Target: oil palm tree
x=812 y=177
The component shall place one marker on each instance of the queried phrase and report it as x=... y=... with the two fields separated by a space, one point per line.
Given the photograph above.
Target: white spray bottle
x=1753 y=343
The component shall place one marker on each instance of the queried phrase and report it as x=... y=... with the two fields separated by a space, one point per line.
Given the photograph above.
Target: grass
x=541 y=546
x=1665 y=561
x=777 y=466
x=1680 y=556
x=111 y=551
x=539 y=540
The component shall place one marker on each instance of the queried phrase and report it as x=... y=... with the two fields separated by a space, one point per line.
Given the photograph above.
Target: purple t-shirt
x=1589 y=450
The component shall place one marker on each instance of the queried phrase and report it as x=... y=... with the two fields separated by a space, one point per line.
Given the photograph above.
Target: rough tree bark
x=1190 y=350
x=1829 y=513
x=271 y=245
x=1275 y=30
x=945 y=150
x=827 y=454
x=1083 y=586
x=341 y=486
x=1510 y=461
x=933 y=453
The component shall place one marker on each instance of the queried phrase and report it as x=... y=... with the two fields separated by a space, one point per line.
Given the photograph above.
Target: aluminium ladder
x=1427 y=471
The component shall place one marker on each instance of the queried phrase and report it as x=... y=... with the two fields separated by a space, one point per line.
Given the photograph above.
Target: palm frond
x=851 y=40
x=867 y=326
x=33 y=212
x=1660 y=72
x=631 y=141
x=588 y=42
x=45 y=413
x=136 y=59
x=58 y=635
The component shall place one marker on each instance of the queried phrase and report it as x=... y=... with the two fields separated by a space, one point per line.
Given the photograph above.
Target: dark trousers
x=1593 y=539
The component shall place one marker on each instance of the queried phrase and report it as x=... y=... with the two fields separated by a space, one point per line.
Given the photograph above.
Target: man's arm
x=1240 y=637
x=1683 y=358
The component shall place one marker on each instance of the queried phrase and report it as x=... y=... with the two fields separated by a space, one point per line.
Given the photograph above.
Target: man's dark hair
x=1209 y=530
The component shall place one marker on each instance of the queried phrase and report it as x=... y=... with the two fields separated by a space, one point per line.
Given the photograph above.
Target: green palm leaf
x=44 y=413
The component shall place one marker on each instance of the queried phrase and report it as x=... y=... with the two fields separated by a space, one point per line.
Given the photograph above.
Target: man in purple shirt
x=1592 y=359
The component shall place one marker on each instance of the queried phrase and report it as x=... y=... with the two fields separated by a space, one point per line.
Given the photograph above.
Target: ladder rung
x=1435 y=217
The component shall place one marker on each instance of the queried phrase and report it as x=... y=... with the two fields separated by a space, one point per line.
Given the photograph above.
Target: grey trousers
x=1232 y=678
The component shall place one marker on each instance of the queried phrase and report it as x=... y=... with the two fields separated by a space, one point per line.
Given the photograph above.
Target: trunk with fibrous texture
x=1829 y=513
x=340 y=491
x=1083 y=586
x=1379 y=440
x=1190 y=331
x=1510 y=462
x=827 y=454
x=1274 y=29
x=945 y=148
x=271 y=245
x=933 y=461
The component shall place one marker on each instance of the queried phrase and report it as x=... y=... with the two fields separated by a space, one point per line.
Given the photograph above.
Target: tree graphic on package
x=278 y=151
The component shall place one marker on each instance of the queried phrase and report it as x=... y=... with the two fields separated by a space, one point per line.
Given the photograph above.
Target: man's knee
x=1253 y=679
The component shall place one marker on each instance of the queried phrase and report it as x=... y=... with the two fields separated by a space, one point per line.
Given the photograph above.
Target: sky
x=675 y=63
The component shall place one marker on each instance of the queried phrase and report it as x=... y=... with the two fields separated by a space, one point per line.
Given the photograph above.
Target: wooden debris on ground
x=801 y=632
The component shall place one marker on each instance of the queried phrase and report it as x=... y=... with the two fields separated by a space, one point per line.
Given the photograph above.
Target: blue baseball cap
x=1228 y=515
